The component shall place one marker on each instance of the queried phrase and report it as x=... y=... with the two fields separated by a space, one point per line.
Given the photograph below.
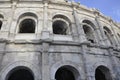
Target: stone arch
x=102 y=73
x=108 y=34
x=89 y=30
x=27 y=23
x=67 y=17
x=20 y=73
x=107 y=29
x=100 y=63
x=61 y=24
x=92 y=22
x=21 y=14
x=27 y=14
x=67 y=72
x=67 y=64
x=7 y=69
x=3 y=15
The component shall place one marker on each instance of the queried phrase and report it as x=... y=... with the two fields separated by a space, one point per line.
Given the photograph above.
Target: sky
x=109 y=8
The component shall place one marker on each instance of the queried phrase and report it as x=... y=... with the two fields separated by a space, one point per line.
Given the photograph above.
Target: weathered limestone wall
x=44 y=52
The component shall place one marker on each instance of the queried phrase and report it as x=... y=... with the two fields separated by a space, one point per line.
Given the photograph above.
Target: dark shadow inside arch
x=59 y=27
x=108 y=34
x=102 y=73
x=89 y=33
x=61 y=24
x=27 y=26
x=20 y=74
x=67 y=73
x=0 y=24
x=99 y=75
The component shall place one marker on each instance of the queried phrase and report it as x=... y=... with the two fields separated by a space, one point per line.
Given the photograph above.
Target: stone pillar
x=86 y=66
x=45 y=62
x=81 y=34
x=13 y=23
x=4 y=29
x=99 y=37
x=2 y=50
x=82 y=38
x=45 y=15
x=45 y=37
x=115 y=41
x=102 y=37
x=74 y=32
x=45 y=34
x=114 y=63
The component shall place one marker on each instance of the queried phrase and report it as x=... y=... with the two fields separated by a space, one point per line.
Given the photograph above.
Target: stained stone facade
x=57 y=40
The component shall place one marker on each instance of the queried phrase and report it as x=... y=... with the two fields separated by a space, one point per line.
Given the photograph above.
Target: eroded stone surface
x=87 y=46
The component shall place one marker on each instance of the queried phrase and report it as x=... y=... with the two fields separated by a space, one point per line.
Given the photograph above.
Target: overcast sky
x=107 y=7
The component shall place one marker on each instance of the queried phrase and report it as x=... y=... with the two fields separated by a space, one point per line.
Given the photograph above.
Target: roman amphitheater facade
x=57 y=40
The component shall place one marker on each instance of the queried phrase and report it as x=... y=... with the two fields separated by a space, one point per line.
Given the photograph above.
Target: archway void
x=27 y=26
x=102 y=73
x=20 y=74
x=108 y=34
x=89 y=33
x=60 y=27
x=67 y=73
x=0 y=24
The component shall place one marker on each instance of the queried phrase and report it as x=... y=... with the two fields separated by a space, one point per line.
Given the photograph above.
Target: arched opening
x=108 y=34
x=99 y=75
x=102 y=73
x=88 y=28
x=67 y=73
x=27 y=26
x=20 y=73
x=0 y=24
x=60 y=27
x=89 y=33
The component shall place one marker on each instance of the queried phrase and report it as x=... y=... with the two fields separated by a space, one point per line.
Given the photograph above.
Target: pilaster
x=80 y=31
x=13 y=23
x=114 y=63
x=45 y=15
x=45 y=34
x=115 y=41
x=2 y=50
x=100 y=30
x=4 y=29
x=74 y=32
x=86 y=66
x=82 y=38
x=45 y=62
